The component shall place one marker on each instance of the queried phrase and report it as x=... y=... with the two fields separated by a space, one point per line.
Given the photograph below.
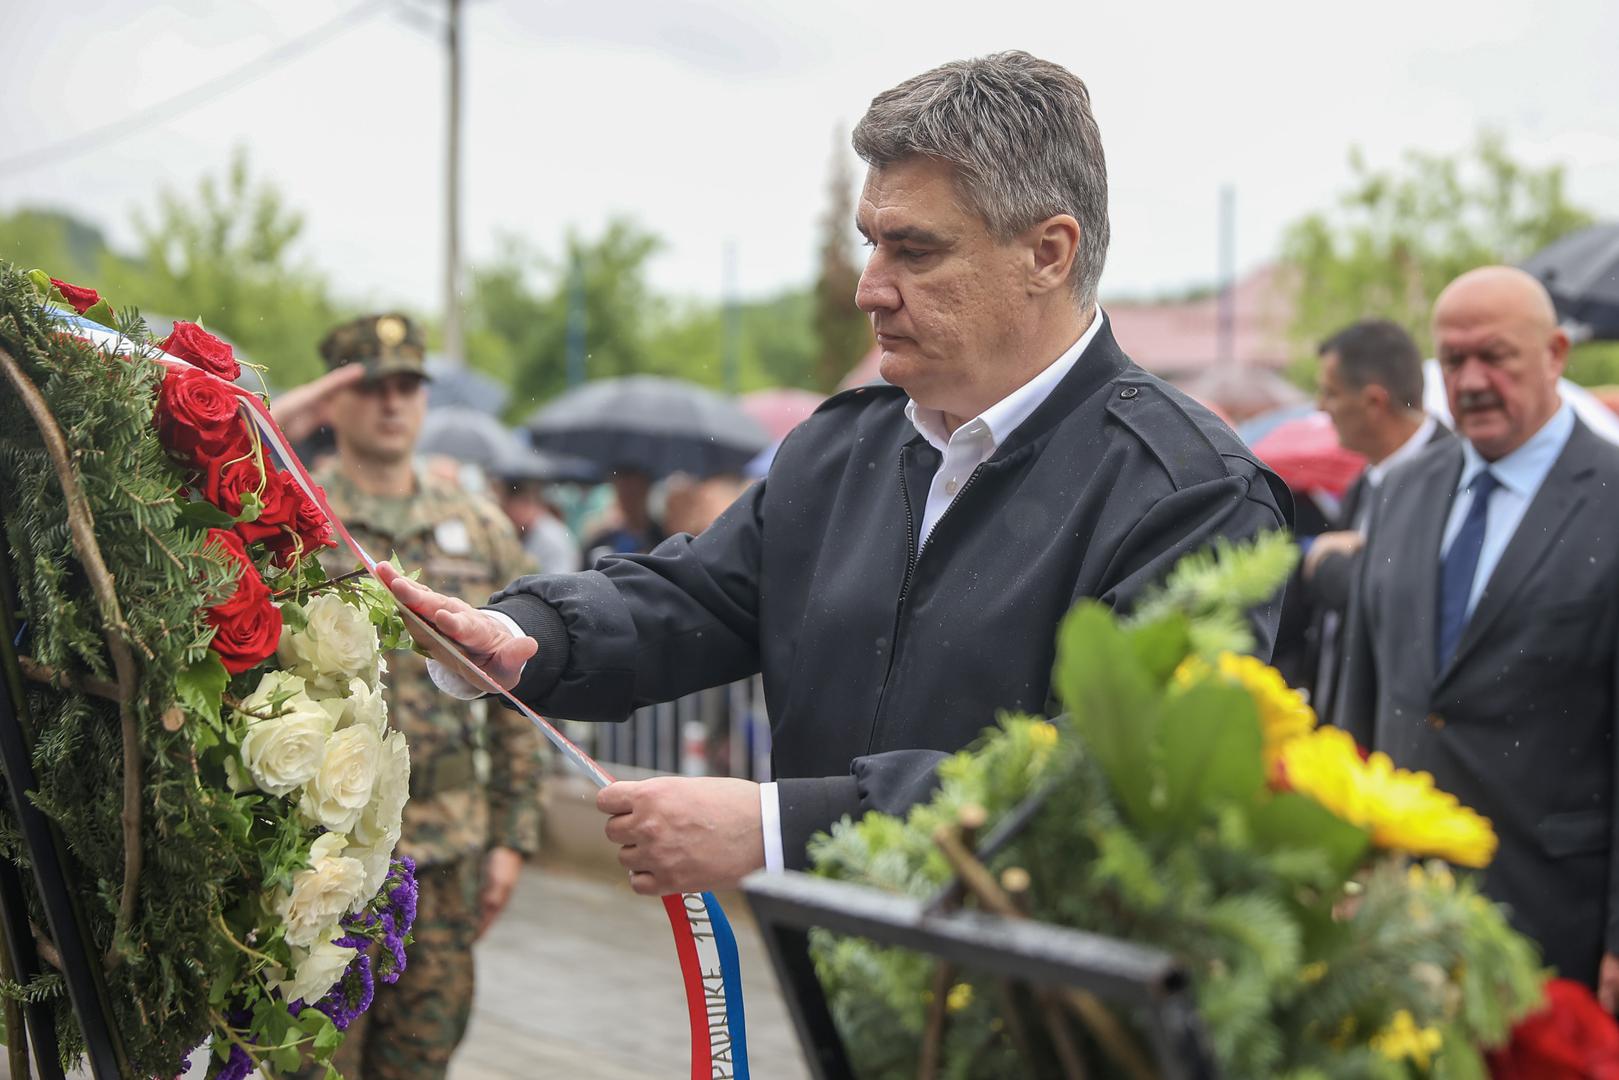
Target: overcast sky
x=716 y=122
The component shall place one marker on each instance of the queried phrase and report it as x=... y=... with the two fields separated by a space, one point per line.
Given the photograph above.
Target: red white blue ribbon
x=704 y=942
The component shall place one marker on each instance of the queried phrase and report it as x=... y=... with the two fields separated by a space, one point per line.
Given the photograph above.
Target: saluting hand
x=681 y=834
x=485 y=639
x=302 y=410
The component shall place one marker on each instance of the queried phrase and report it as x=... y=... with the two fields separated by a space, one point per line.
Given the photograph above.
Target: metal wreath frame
x=1151 y=982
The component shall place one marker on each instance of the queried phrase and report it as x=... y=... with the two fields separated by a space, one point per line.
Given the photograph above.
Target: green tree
x=842 y=331
x=776 y=343
x=519 y=304
x=1398 y=236
x=56 y=241
x=226 y=255
x=518 y=310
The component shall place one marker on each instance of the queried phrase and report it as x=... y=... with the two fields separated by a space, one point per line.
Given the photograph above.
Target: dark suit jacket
x=1520 y=724
x=877 y=661
x=1328 y=592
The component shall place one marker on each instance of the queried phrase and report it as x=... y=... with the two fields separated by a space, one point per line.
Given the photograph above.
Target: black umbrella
x=655 y=425
x=1581 y=271
x=454 y=384
x=475 y=437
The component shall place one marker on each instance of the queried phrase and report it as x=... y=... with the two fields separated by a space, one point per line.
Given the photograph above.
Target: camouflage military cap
x=386 y=344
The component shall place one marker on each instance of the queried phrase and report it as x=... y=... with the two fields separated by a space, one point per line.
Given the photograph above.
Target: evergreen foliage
x=105 y=409
x=205 y=946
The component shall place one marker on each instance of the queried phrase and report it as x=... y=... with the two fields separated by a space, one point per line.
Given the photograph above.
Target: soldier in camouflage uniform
x=474 y=771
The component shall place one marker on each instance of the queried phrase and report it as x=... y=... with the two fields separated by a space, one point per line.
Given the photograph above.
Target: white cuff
x=770 y=824
x=453 y=684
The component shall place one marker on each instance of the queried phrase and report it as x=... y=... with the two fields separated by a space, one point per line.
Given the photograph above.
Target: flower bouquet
x=1187 y=800
x=204 y=706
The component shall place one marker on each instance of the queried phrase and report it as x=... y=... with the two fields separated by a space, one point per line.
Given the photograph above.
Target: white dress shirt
x=1520 y=474
x=964 y=449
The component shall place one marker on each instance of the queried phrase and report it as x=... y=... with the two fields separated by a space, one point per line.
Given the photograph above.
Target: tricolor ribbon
x=704 y=941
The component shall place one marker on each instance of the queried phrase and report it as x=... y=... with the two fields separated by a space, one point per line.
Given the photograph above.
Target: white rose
x=364 y=706
x=382 y=817
x=316 y=970
x=322 y=893
x=285 y=744
x=341 y=789
x=376 y=859
x=336 y=644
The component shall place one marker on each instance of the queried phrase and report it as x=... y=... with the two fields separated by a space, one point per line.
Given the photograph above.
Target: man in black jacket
x=901 y=573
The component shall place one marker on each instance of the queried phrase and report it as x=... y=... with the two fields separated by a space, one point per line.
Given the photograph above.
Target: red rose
x=310 y=531
x=81 y=298
x=197 y=417
x=1571 y=1038
x=247 y=626
x=191 y=342
x=227 y=481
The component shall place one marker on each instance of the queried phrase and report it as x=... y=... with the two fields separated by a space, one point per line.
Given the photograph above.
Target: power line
x=189 y=99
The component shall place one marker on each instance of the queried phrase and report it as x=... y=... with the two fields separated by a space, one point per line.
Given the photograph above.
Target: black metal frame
x=81 y=966
x=1149 y=981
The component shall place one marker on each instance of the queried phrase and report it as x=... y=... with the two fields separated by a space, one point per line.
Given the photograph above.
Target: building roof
x=1179 y=339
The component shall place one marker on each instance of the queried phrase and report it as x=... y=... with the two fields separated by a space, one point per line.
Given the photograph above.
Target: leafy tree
x=1398 y=236
x=55 y=240
x=842 y=331
x=226 y=255
x=518 y=311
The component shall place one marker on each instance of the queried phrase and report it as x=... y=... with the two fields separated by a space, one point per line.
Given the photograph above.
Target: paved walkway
x=579 y=979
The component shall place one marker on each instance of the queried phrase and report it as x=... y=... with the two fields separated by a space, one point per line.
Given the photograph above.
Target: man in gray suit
x=1369 y=382
x=1482 y=637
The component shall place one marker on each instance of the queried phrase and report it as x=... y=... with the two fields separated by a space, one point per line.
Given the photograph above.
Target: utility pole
x=731 y=341
x=1226 y=339
x=454 y=343
x=576 y=318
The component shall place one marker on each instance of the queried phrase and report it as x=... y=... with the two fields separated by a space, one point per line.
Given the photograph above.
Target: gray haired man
x=900 y=574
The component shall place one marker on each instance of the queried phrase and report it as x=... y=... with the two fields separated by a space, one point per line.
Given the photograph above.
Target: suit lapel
x=1352 y=501
x=1548 y=514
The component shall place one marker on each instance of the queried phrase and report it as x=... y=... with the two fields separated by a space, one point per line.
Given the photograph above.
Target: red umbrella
x=1305 y=453
x=780 y=409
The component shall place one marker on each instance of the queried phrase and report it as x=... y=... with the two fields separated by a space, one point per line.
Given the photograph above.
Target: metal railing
x=722 y=731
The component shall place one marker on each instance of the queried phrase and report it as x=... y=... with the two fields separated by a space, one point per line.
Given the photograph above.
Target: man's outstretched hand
x=485 y=639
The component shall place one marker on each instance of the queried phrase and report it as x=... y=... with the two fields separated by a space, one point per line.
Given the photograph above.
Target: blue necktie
x=1460 y=564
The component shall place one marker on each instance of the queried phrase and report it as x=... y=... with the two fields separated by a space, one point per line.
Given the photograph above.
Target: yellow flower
x=1284 y=715
x=1402 y=810
x=1402 y=1039
x=961 y=996
x=1313 y=972
x=1042 y=735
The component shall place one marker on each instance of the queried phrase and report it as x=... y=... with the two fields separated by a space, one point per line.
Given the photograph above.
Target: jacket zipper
x=912 y=556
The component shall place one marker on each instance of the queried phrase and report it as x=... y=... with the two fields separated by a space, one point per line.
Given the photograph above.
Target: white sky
x=714 y=121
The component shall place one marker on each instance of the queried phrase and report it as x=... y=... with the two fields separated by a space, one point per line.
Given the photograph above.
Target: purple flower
x=402 y=896
x=351 y=996
x=238 y=1067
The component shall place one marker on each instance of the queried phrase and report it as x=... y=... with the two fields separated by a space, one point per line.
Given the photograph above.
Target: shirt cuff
x=770 y=825
x=453 y=684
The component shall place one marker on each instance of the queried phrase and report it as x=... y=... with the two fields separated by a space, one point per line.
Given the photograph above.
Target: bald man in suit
x=1482 y=638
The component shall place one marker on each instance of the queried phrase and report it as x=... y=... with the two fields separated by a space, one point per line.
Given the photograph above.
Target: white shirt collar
x=1408 y=450
x=1002 y=418
x=1525 y=469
